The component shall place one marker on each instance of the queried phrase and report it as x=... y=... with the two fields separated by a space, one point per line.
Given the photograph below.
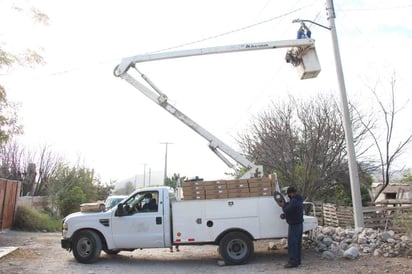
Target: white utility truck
x=228 y=213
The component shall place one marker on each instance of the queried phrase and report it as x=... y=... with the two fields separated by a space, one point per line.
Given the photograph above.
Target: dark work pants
x=295 y=243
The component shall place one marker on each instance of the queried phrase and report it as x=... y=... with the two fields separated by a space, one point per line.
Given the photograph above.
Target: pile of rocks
x=350 y=243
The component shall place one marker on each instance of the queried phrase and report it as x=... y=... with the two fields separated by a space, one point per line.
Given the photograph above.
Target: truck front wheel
x=236 y=248
x=87 y=246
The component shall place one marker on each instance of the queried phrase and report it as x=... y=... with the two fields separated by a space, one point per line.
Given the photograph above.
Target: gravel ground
x=41 y=253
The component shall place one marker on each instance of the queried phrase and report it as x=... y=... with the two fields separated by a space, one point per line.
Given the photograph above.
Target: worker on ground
x=294 y=217
x=177 y=248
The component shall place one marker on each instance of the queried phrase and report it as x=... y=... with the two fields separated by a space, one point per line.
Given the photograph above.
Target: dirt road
x=41 y=253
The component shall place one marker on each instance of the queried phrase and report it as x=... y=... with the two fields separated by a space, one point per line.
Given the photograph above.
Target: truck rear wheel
x=87 y=247
x=236 y=248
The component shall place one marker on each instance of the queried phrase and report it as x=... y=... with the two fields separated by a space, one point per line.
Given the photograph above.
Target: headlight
x=65 y=228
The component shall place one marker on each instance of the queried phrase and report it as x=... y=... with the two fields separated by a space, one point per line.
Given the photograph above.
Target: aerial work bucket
x=305 y=60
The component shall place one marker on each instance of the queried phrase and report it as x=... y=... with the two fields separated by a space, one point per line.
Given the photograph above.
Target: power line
x=230 y=32
x=192 y=42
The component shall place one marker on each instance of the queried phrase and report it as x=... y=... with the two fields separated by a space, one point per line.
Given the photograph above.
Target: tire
x=236 y=248
x=87 y=247
x=112 y=251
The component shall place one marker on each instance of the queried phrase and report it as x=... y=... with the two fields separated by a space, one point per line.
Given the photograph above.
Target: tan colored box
x=214 y=187
x=238 y=194
x=194 y=197
x=194 y=193
x=234 y=182
x=92 y=207
x=216 y=195
x=241 y=183
x=261 y=189
x=213 y=183
x=192 y=188
x=260 y=182
x=261 y=193
x=233 y=186
x=192 y=183
x=215 y=191
x=238 y=190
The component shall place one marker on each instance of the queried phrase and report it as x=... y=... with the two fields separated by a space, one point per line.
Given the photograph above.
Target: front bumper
x=66 y=244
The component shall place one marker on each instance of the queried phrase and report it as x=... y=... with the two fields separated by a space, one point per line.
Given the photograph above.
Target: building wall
x=398 y=191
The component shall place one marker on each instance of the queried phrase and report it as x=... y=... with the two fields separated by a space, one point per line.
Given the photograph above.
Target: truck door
x=139 y=222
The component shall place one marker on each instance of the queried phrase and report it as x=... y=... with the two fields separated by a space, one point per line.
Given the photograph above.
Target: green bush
x=29 y=219
x=69 y=201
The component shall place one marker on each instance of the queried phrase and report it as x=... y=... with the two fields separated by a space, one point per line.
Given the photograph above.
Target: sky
x=78 y=108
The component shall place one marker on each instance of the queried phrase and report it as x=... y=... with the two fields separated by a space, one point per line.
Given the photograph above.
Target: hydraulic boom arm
x=214 y=143
x=157 y=96
x=128 y=62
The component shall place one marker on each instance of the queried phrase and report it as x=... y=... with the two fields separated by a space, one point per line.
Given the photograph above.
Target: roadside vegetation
x=29 y=219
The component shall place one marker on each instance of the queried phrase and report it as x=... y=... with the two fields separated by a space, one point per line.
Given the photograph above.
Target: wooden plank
x=11 y=191
x=329 y=215
x=2 y=202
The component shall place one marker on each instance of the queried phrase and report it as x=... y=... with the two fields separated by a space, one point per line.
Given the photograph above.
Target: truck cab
x=128 y=226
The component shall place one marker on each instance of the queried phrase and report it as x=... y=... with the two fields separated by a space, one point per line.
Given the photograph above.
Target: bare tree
x=33 y=169
x=303 y=142
x=387 y=151
x=11 y=156
x=47 y=163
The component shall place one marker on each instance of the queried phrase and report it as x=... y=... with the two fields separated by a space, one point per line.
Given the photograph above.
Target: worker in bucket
x=304 y=32
x=294 y=217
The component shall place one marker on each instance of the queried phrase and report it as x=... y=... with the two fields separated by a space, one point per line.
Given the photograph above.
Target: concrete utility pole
x=150 y=174
x=353 y=168
x=165 y=171
x=144 y=174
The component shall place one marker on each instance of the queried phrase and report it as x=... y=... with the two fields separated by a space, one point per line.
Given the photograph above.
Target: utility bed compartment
x=204 y=220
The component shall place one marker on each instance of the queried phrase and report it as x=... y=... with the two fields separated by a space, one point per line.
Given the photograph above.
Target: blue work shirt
x=294 y=210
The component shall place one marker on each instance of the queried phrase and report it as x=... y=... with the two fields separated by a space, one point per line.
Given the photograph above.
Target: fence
x=383 y=217
x=9 y=191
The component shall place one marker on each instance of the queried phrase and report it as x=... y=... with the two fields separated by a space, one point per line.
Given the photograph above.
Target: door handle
x=158 y=220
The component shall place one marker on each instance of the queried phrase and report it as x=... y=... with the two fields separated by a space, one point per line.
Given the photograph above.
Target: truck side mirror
x=120 y=210
x=278 y=197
